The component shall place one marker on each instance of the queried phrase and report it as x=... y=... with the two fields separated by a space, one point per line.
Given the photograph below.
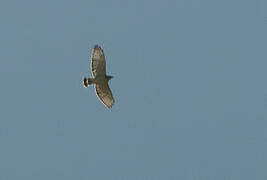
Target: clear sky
x=190 y=85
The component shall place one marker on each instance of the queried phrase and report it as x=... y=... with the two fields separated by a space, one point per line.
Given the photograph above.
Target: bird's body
x=100 y=79
x=97 y=80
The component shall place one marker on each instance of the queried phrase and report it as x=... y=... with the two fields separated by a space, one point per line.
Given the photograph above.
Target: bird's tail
x=87 y=82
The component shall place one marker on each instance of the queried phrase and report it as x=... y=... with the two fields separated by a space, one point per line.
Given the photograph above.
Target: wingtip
x=97 y=47
x=109 y=107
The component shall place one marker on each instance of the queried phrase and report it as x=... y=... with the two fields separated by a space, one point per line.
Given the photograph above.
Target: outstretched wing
x=104 y=94
x=98 y=62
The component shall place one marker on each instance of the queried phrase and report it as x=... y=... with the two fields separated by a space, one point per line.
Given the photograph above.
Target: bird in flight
x=100 y=79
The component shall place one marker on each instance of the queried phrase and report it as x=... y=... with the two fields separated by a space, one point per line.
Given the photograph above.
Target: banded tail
x=87 y=82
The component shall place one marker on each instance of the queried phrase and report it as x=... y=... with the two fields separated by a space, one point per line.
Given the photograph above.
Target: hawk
x=100 y=79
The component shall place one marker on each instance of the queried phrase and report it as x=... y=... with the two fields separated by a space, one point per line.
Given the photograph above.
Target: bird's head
x=109 y=77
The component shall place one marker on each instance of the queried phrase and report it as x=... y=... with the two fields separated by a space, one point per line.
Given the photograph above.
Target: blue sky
x=190 y=85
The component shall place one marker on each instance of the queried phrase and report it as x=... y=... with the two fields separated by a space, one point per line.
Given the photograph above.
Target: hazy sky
x=190 y=85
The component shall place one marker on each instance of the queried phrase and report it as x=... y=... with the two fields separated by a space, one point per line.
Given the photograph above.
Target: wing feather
x=104 y=94
x=98 y=62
